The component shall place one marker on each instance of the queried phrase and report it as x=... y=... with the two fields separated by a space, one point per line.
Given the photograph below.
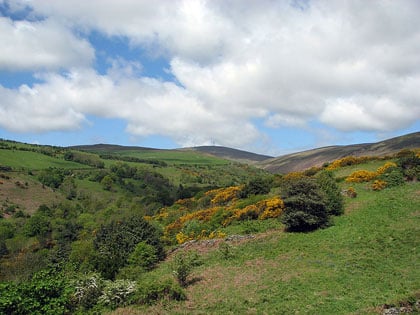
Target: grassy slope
x=370 y=257
x=34 y=160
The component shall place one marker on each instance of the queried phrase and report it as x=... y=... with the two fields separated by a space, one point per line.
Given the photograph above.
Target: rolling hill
x=317 y=157
x=283 y=164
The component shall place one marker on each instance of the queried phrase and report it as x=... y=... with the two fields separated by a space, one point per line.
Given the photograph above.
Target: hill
x=317 y=157
x=86 y=232
x=230 y=154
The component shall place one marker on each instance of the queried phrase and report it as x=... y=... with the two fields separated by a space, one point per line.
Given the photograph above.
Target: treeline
x=46 y=150
x=132 y=159
x=84 y=158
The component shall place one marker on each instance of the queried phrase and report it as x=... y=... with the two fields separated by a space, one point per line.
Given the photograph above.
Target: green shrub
x=114 y=242
x=226 y=250
x=305 y=206
x=334 y=202
x=117 y=293
x=46 y=293
x=88 y=289
x=151 y=291
x=256 y=186
x=183 y=264
x=393 y=177
x=144 y=256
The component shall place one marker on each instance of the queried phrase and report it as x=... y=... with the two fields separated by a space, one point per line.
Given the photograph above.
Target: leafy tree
x=69 y=187
x=46 y=293
x=114 y=242
x=256 y=186
x=39 y=225
x=52 y=177
x=107 y=182
x=305 y=206
x=144 y=256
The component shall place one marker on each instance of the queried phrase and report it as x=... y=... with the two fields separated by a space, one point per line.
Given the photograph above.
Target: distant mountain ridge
x=287 y=163
x=317 y=157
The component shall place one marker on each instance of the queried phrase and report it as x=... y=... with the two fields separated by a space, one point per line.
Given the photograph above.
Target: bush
x=393 y=177
x=305 y=206
x=88 y=290
x=117 y=293
x=151 y=291
x=45 y=293
x=333 y=197
x=183 y=264
x=144 y=256
x=115 y=242
x=256 y=186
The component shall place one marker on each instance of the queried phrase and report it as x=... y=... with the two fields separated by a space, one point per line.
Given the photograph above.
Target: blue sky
x=271 y=77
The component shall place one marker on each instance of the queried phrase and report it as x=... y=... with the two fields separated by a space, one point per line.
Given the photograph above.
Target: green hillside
x=114 y=230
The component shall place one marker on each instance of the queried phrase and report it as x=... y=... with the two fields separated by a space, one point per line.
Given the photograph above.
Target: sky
x=266 y=76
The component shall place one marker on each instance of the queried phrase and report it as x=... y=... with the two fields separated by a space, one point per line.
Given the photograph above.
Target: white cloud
x=352 y=65
x=41 y=45
x=149 y=106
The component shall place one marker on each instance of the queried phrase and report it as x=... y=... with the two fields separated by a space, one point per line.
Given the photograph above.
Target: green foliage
x=151 y=291
x=87 y=291
x=107 y=182
x=117 y=293
x=114 y=242
x=144 y=256
x=7 y=229
x=256 y=186
x=393 y=176
x=52 y=177
x=305 y=206
x=226 y=250
x=183 y=264
x=69 y=188
x=45 y=293
x=3 y=248
x=334 y=202
x=409 y=163
x=84 y=158
x=39 y=225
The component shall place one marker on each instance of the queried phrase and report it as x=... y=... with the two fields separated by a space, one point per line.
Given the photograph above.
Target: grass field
x=34 y=160
x=371 y=256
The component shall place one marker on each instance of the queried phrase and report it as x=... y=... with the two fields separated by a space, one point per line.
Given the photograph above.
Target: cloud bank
x=352 y=66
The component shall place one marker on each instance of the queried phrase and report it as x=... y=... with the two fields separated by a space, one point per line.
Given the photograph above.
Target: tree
x=256 y=186
x=305 y=206
x=144 y=256
x=107 y=182
x=114 y=242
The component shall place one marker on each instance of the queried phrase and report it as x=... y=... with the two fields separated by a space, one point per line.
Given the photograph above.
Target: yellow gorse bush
x=366 y=176
x=381 y=170
x=378 y=184
x=182 y=237
x=265 y=209
x=223 y=196
x=361 y=176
